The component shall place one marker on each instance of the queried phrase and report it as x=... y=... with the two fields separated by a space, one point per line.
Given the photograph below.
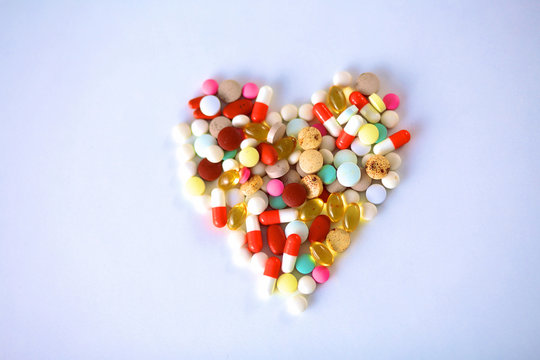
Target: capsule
x=311 y=209
x=351 y=219
x=271 y=217
x=237 y=216
x=323 y=114
x=393 y=142
x=285 y=147
x=219 y=208
x=335 y=207
x=258 y=131
x=347 y=135
x=254 y=237
x=319 y=229
x=364 y=107
x=347 y=114
x=322 y=255
x=270 y=275
x=337 y=102
x=290 y=252
x=258 y=114
x=229 y=179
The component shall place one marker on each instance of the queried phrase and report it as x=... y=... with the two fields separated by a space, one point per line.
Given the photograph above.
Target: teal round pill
x=230 y=154
x=383 y=132
x=295 y=125
x=327 y=174
x=276 y=202
x=305 y=264
x=344 y=156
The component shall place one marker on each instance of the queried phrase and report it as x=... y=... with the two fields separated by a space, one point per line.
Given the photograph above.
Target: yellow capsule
x=347 y=91
x=351 y=219
x=336 y=100
x=311 y=209
x=335 y=207
x=229 y=179
x=237 y=216
x=321 y=254
x=258 y=131
x=285 y=147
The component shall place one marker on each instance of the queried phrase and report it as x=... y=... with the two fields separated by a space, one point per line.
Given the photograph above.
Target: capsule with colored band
x=271 y=217
x=290 y=252
x=392 y=143
x=253 y=236
x=347 y=114
x=364 y=107
x=349 y=132
x=219 y=208
x=270 y=275
x=323 y=114
x=258 y=114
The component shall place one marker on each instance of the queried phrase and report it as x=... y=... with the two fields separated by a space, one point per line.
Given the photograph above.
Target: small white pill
x=214 y=153
x=306 y=112
x=257 y=203
x=234 y=197
x=390 y=181
x=342 y=78
x=297 y=227
x=185 y=152
x=351 y=196
x=181 y=133
x=328 y=157
x=258 y=263
x=236 y=239
x=249 y=142
x=294 y=157
x=259 y=169
x=187 y=170
x=318 y=96
x=365 y=158
x=360 y=149
x=210 y=105
x=273 y=118
x=199 y=127
x=306 y=285
x=296 y=304
x=389 y=118
x=376 y=194
x=240 y=121
x=394 y=159
x=289 y=112
x=230 y=164
x=328 y=142
x=368 y=211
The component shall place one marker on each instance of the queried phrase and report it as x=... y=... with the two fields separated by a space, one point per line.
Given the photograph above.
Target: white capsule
x=181 y=133
x=265 y=95
x=258 y=262
x=305 y=112
x=353 y=125
x=199 y=127
x=296 y=304
x=217 y=198
x=384 y=147
x=391 y=180
x=376 y=194
x=289 y=112
x=319 y=96
x=342 y=78
x=368 y=211
x=344 y=117
x=287 y=263
x=210 y=105
x=240 y=121
x=394 y=159
x=266 y=285
x=306 y=285
x=332 y=126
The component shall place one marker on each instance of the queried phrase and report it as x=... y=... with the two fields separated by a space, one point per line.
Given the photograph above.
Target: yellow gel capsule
x=237 y=216
x=377 y=102
x=195 y=186
x=321 y=254
x=285 y=147
x=368 y=134
x=258 y=131
x=336 y=100
x=311 y=209
x=351 y=219
x=229 y=179
x=347 y=92
x=335 y=207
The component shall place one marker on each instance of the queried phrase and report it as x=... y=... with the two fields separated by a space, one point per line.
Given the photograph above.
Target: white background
x=102 y=258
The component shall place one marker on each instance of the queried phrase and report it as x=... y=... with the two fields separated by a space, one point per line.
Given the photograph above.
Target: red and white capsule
x=270 y=275
x=271 y=217
x=253 y=236
x=324 y=115
x=258 y=114
x=364 y=107
x=219 y=207
x=349 y=132
x=290 y=252
x=393 y=142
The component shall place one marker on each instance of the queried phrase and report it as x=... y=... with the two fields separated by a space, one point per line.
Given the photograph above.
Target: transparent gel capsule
x=229 y=179
x=237 y=216
x=258 y=131
x=311 y=209
x=351 y=219
x=321 y=254
x=285 y=147
x=336 y=100
x=335 y=207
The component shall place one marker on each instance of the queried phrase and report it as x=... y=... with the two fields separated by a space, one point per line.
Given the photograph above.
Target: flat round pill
x=310 y=161
x=229 y=163
x=321 y=128
x=306 y=285
x=290 y=177
x=296 y=304
x=305 y=112
x=328 y=157
x=351 y=196
x=368 y=134
x=394 y=159
x=248 y=156
x=294 y=195
x=210 y=105
x=248 y=142
x=185 y=152
x=376 y=194
x=383 y=133
x=276 y=132
x=209 y=87
x=305 y=264
x=313 y=184
x=301 y=172
x=275 y=187
x=327 y=174
x=181 y=133
x=367 y=83
x=250 y=90
x=364 y=182
x=297 y=227
x=229 y=91
x=202 y=143
x=276 y=202
x=328 y=142
x=319 y=97
x=377 y=167
x=287 y=283
x=309 y=138
x=342 y=78
x=208 y=170
x=257 y=203
x=295 y=125
x=320 y=274
x=199 y=127
x=390 y=118
x=251 y=186
x=240 y=121
x=195 y=186
x=229 y=138
x=289 y=112
x=214 y=154
x=278 y=169
x=217 y=124
x=368 y=211
x=391 y=101
x=258 y=262
x=348 y=174
x=273 y=118
x=335 y=187
x=343 y=156
x=360 y=149
x=236 y=239
x=338 y=240
x=391 y=181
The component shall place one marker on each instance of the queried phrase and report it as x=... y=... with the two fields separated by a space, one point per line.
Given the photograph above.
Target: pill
x=248 y=142
x=297 y=227
x=219 y=208
x=195 y=186
x=229 y=91
x=310 y=161
x=279 y=169
x=389 y=118
x=342 y=78
x=250 y=90
x=181 y=133
x=351 y=219
x=321 y=254
x=368 y=134
x=367 y=83
x=229 y=179
x=276 y=238
x=199 y=127
x=242 y=256
x=210 y=105
x=338 y=240
x=248 y=156
x=392 y=143
x=321 y=128
x=233 y=197
x=257 y=203
x=376 y=194
x=240 y=121
x=348 y=174
x=260 y=108
x=276 y=132
x=318 y=97
x=202 y=143
x=208 y=170
x=275 y=187
x=285 y=147
x=343 y=156
x=195 y=102
x=305 y=264
x=270 y=275
x=365 y=108
x=383 y=133
x=268 y=154
x=237 y=216
x=328 y=157
x=394 y=159
x=313 y=185
x=309 y=138
x=320 y=274
x=368 y=211
x=289 y=112
x=276 y=202
x=348 y=134
x=346 y=115
x=351 y=196
x=296 y=304
x=209 y=87
x=254 y=237
x=290 y=177
x=335 y=207
x=327 y=174
x=198 y=114
x=365 y=159
x=323 y=114
x=258 y=131
x=377 y=102
x=236 y=239
x=364 y=182
x=217 y=124
x=258 y=262
x=214 y=154
x=251 y=186
x=305 y=112
x=271 y=217
x=360 y=149
x=390 y=181
x=290 y=252
x=328 y=143
x=336 y=99
x=294 y=195
x=335 y=187
x=185 y=152
x=391 y=101
x=294 y=157
x=311 y=209
x=245 y=174
x=287 y=283
x=319 y=229
x=306 y=285
x=273 y=118
x=377 y=167
x=295 y=125
x=229 y=138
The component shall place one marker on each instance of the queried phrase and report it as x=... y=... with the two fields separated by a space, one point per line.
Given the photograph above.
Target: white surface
x=101 y=257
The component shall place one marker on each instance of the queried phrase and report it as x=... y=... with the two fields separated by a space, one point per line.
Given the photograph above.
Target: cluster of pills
x=290 y=185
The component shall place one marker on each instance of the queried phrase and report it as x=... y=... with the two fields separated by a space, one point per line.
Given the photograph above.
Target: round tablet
x=358 y=148
x=368 y=134
x=250 y=90
x=306 y=285
x=335 y=187
x=391 y=181
x=320 y=274
x=343 y=156
x=313 y=184
x=217 y=124
x=305 y=264
x=309 y=138
x=328 y=157
x=241 y=256
x=234 y=196
x=230 y=163
x=259 y=169
x=328 y=142
x=328 y=174
x=275 y=187
x=214 y=154
x=208 y=170
x=383 y=133
x=229 y=91
x=338 y=240
x=273 y=118
x=240 y=121
x=278 y=169
x=376 y=194
x=199 y=127
x=368 y=211
x=321 y=129
x=310 y=161
x=181 y=132
x=390 y=118
x=351 y=196
x=394 y=159
x=249 y=142
x=229 y=138
x=305 y=112
x=195 y=186
x=367 y=83
x=248 y=156
x=209 y=87
x=258 y=262
x=210 y=105
x=202 y=143
x=291 y=177
x=342 y=78
x=276 y=202
x=295 y=125
x=294 y=195
x=236 y=239
x=287 y=283
x=296 y=304
x=257 y=203
x=391 y=101
x=297 y=227
x=318 y=97
x=348 y=174
x=364 y=182
x=377 y=167
x=365 y=159
x=289 y=112
x=276 y=132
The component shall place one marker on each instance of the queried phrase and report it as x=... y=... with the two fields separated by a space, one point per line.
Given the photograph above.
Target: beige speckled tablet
x=278 y=169
x=217 y=124
x=309 y=138
x=367 y=83
x=311 y=161
x=338 y=240
x=251 y=186
x=313 y=185
x=377 y=167
x=229 y=91
x=276 y=132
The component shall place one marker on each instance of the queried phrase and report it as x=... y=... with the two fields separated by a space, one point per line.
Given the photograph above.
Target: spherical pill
x=351 y=196
x=248 y=156
x=394 y=159
x=306 y=285
x=310 y=161
x=229 y=138
x=295 y=125
x=313 y=184
x=181 y=133
x=327 y=174
x=320 y=274
x=343 y=156
x=210 y=105
x=209 y=87
x=297 y=227
x=391 y=101
x=250 y=90
x=305 y=112
x=360 y=149
x=275 y=187
x=294 y=195
x=229 y=91
x=376 y=194
x=289 y=112
x=296 y=304
x=390 y=118
x=217 y=124
x=368 y=134
x=202 y=143
x=258 y=262
x=367 y=83
x=309 y=138
x=342 y=78
x=240 y=121
x=208 y=170
x=236 y=239
x=338 y=240
x=368 y=211
x=278 y=170
x=273 y=118
x=234 y=197
x=185 y=152
x=377 y=167
x=305 y=264
x=199 y=127
x=195 y=186
x=287 y=283
x=391 y=181
x=214 y=154
x=348 y=174
x=318 y=97
x=328 y=142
